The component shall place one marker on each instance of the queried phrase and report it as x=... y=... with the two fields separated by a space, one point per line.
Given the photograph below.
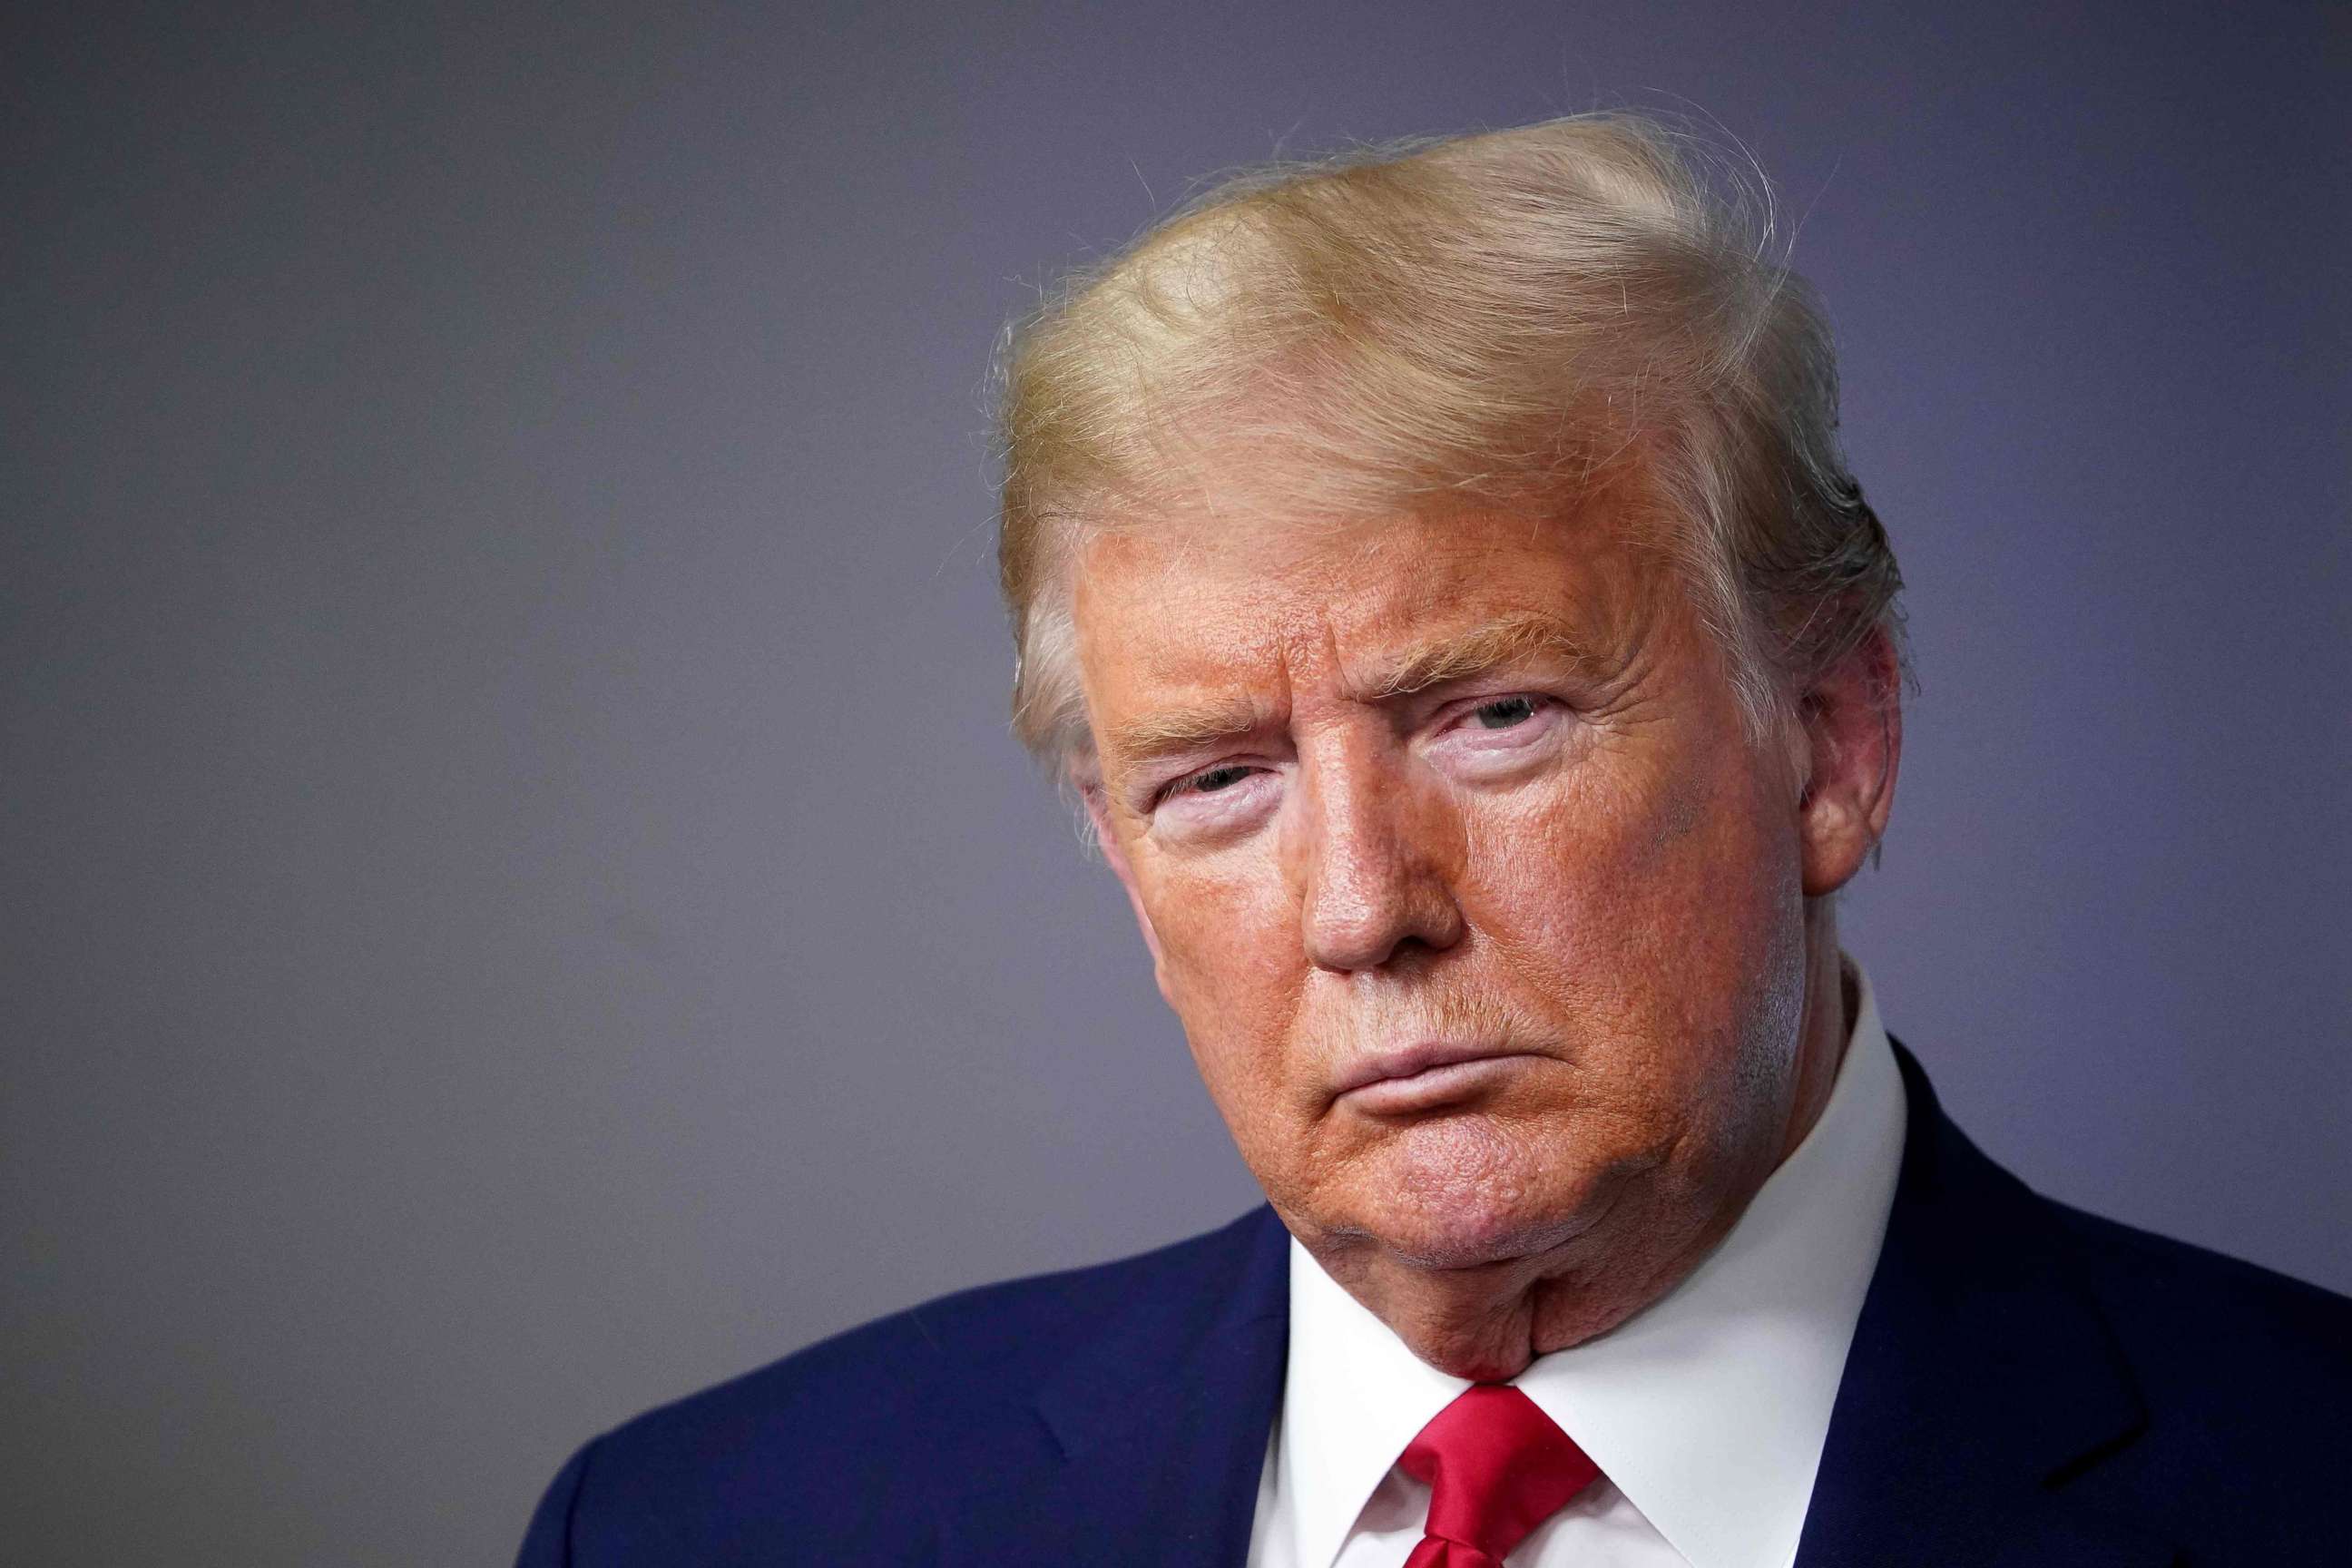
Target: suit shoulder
x=836 y=1439
x=989 y=1344
x=2190 y=1316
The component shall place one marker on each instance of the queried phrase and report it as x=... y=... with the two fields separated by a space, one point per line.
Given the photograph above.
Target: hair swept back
x=1509 y=317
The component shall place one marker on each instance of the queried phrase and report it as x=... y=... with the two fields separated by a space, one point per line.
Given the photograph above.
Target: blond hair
x=1510 y=318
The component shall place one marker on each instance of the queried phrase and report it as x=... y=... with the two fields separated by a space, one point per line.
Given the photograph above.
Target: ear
x=1852 y=720
x=1091 y=790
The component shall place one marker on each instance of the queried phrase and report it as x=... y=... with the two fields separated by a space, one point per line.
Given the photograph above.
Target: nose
x=1367 y=856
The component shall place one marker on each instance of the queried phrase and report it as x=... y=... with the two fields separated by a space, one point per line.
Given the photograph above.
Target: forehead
x=1198 y=604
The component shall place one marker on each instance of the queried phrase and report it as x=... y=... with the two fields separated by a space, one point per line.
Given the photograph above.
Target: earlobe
x=1853 y=732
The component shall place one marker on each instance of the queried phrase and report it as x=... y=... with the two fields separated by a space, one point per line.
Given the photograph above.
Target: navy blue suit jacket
x=2028 y=1385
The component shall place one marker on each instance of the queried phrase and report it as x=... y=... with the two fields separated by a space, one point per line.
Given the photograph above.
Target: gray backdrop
x=519 y=898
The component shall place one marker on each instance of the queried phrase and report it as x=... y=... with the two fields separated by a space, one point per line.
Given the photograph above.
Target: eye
x=1214 y=780
x=1505 y=712
x=1491 y=737
x=1215 y=804
x=1219 y=780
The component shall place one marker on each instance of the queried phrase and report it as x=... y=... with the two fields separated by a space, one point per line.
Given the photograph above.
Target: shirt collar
x=1708 y=1409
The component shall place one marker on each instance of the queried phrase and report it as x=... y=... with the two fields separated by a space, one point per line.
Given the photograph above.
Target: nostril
x=1354 y=929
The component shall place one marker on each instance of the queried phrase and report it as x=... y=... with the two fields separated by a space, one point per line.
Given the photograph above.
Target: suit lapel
x=1162 y=1420
x=1981 y=1380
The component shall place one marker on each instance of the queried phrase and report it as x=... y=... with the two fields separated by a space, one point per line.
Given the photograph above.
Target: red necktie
x=1497 y=1467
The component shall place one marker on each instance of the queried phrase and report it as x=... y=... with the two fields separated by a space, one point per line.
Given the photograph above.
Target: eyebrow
x=1176 y=730
x=1507 y=640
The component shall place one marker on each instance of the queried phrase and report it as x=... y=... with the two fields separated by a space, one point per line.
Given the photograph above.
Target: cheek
x=1231 y=958
x=1644 y=897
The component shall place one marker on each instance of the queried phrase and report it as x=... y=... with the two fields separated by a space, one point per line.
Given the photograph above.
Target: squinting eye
x=1215 y=779
x=1505 y=712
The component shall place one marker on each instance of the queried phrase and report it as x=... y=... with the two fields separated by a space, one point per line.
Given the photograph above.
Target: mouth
x=1426 y=1078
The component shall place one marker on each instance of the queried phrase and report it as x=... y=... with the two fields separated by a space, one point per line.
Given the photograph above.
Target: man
x=1439 y=578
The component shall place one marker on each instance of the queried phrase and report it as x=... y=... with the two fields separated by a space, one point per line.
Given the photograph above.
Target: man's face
x=1482 y=915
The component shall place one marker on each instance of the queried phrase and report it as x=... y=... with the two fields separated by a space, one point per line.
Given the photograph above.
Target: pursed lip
x=1412 y=1061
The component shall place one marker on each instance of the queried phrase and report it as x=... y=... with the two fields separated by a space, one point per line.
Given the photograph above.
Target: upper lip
x=1407 y=1060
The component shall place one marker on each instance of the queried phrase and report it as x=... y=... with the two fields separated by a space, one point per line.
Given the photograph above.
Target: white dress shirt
x=1705 y=1411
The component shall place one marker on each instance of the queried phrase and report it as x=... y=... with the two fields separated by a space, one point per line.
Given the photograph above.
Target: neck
x=1830 y=1006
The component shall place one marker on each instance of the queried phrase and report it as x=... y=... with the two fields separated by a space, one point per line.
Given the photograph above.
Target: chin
x=1451 y=1213
x=1471 y=1235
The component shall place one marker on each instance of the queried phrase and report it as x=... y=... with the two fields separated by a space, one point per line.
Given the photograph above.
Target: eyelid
x=1461 y=708
x=1176 y=786
x=1200 y=818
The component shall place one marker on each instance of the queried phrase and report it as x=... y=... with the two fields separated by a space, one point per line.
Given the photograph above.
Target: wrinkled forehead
x=1245 y=513
x=1199 y=603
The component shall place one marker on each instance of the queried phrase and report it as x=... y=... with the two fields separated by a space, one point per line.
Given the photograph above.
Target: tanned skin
x=1507 y=954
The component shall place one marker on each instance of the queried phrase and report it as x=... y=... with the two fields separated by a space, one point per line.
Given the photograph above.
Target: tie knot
x=1497 y=1467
